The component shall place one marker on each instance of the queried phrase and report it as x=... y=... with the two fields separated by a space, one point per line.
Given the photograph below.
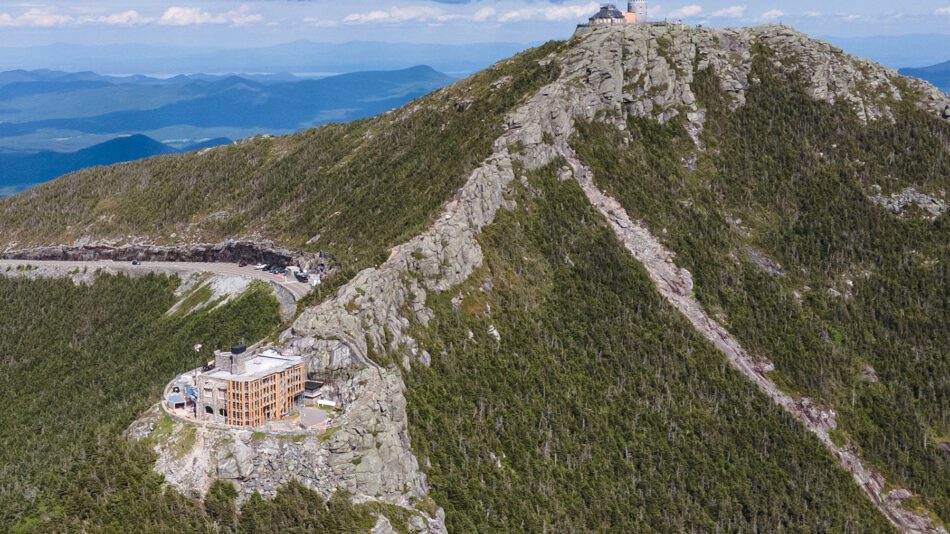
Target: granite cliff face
x=363 y=331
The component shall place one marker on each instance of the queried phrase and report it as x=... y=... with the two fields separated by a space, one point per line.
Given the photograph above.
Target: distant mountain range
x=54 y=77
x=938 y=75
x=68 y=111
x=296 y=57
x=20 y=171
x=53 y=122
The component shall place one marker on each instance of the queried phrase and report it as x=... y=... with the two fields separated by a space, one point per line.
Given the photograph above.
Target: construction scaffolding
x=254 y=402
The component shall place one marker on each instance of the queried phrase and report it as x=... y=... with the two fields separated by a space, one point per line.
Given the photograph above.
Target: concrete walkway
x=313 y=417
x=297 y=289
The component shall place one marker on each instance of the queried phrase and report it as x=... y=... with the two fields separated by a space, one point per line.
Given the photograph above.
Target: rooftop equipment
x=175 y=401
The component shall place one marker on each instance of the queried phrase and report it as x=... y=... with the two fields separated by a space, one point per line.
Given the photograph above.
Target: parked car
x=261 y=267
x=242 y=264
x=136 y=262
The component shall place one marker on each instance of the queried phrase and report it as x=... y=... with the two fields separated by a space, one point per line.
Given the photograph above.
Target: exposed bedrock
x=228 y=251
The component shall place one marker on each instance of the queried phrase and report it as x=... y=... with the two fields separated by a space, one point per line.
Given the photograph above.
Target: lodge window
x=209 y=409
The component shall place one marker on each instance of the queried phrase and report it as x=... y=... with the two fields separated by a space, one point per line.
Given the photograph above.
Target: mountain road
x=295 y=288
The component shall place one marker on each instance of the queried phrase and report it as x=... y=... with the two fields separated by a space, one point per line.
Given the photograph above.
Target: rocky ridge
x=897 y=202
x=644 y=71
x=660 y=62
x=228 y=251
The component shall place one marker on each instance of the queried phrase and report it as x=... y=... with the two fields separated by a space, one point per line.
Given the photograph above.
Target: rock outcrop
x=228 y=251
x=359 y=452
x=659 y=63
x=898 y=202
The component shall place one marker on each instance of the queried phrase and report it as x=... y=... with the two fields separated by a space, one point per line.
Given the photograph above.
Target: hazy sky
x=261 y=22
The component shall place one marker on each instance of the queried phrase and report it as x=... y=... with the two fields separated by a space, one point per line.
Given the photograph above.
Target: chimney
x=233 y=362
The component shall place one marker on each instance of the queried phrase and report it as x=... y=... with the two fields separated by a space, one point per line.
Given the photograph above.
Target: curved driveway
x=295 y=288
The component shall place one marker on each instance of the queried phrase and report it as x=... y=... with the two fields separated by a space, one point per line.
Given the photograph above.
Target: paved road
x=297 y=289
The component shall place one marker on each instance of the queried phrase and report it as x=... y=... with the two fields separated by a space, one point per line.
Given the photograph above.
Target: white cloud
x=773 y=14
x=552 y=13
x=733 y=12
x=187 y=16
x=321 y=23
x=685 y=12
x=37 y=17
x=43 y=17
x=243 y=16
x=812 y=14
x=400 y=14
x=193 y=16
x=942 y=11
x=850 y=18
x=484 y=14
x=125 y=18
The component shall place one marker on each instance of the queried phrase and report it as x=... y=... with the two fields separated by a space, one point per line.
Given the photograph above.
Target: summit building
x=610 y=15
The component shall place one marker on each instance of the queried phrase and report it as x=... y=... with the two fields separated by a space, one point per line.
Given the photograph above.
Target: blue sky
x=263 y=22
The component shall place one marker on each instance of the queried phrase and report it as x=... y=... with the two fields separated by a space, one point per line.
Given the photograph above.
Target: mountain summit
x=655 y=278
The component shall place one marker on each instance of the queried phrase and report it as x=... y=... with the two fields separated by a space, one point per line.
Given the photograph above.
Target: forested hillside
x=598 y=408
x=788 y=249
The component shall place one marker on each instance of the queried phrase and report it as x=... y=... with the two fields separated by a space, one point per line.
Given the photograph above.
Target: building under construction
x=247 y=389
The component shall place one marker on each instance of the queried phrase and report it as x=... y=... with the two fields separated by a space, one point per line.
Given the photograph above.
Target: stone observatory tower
x=639 y=9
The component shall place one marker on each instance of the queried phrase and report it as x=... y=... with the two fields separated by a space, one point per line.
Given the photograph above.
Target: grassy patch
x=163 y=429
x=328 y=433
x=184 y=441
x=398 y=516
x=194 y=298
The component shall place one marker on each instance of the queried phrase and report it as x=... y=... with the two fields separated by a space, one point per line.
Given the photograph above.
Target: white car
x=260 y=266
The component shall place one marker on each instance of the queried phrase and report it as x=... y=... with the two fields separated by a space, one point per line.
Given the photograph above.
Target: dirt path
x=676 y=285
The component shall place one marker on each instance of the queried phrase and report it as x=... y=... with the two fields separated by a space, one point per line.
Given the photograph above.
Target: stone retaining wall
x=227 y=252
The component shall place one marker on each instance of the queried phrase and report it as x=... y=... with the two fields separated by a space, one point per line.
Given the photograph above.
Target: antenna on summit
x=639 y=10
